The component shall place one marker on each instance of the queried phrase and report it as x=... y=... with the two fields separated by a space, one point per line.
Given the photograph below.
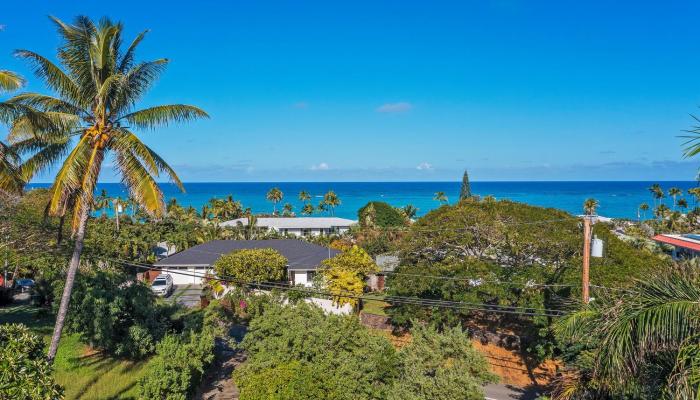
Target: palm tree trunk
x=68 y=288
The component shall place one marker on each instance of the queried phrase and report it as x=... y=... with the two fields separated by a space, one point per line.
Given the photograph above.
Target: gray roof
x=294 y=222
x=300 y=255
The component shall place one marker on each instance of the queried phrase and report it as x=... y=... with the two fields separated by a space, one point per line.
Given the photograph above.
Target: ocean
x=617 y=199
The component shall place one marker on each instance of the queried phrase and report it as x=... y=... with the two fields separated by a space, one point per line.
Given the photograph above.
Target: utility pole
x=586 y=258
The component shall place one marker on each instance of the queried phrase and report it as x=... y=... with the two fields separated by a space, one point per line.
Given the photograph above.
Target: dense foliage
x=505 y=253
x=181 y=360
x=112 y=312
x=251 y=265
x=24 y=372
x=380 y=214
x=334 y=357
x=344 y=275
x=440 y=366
x=640 y=344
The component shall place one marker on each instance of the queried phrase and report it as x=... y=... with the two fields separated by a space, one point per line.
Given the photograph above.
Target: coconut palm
x=275 y=196
x=9 y=160
x=288 y=209
x=322 y=207
x=304 y=196
x=308 y=209
x=102 y=202
x=661 y=211
x=644 y=207
x=97 y=84
x=657 y=193
x=590 y=206
x=331 y=200
x=652 y=326
x=409 y=211
x=695 y=192
x=674 y=192
x=682 y=204
x=441 y=197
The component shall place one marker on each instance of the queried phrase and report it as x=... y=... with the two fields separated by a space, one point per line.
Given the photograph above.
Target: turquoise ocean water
x=617 y=199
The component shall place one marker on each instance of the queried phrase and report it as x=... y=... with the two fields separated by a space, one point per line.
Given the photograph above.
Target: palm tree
x=288 y=209
x=682 y=204
x=409 y=211
x=304 y=196
x=644 y=207
x=331 y=200
x=652 y=326
x=308 y=209
x=94 y=111
x=102 y=202
x=590 y=206
x=441 y=197
x=275 y=196
x=322 y=207
x=674 y=192
x=695 y=192
x=656 y=192
x=9 y=171
x=661 y=211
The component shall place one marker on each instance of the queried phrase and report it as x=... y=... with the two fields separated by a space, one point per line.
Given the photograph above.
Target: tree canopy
x=252 y=265
x=380 y=214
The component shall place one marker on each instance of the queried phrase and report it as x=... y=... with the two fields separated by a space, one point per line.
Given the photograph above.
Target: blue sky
x=402 y=90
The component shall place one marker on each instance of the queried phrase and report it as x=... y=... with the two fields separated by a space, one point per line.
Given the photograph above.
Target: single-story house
x=299 y=226
x=684 y=246
x=387 y=263
x=303 y=258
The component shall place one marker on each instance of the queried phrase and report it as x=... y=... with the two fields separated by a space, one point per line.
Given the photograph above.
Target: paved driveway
x=507 y=392
x=186 y=295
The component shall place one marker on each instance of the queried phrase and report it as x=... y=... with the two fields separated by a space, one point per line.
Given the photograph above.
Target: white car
x=162 y=285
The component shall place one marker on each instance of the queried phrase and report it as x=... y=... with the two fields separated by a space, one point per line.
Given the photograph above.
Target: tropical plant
x=440 y=197
x=466 y=190
x=682 y=204
x=380 y=214
x=440 y=365
x=674 y=192
x=657 y=193
x=331 y=200
x=344 y=274
x=288 y=209
x=93 y=115
x=661 y=211
x=304 y=196
x=275 y=196
x=24 y=371
x=10 y=179
x=409 y=211
x=644 y=207
x=308 y=209
x=637 y=344
x=251 y=265
x=590 y=206
x=102 y=202
x=695 y=192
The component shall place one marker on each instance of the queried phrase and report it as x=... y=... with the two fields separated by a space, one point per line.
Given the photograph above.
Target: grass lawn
x=83 y=372
x=374 y=307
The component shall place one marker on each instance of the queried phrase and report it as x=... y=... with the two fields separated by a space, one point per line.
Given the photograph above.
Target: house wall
x=301 y=278
x=183 y=275
x=312 y=231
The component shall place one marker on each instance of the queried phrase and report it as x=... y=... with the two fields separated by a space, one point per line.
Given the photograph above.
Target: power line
x=391 y=299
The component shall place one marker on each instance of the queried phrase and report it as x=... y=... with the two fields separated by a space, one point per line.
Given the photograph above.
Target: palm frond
x=127 y=60
x=163 y=115
x=142 y=187
x=53 y=76
x=68 y=180
x=128 y=142
x=10 y=81
x=135 y=82
x=45 y=103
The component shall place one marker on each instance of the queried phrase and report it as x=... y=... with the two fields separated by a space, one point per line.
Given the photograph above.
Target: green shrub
x=378 y=213
x=252 y=265
x=114 y=313
x=24 y=372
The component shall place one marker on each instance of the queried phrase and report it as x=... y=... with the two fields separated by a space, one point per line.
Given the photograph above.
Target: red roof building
x=684 y=246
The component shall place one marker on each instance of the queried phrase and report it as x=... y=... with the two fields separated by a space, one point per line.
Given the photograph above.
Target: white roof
x=295 y=222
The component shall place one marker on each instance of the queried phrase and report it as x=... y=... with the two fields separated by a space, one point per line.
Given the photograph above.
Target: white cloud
x=424 y=166
x=395 y=107
x=320 y=167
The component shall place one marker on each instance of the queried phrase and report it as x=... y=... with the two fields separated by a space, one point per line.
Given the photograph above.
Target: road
x=507 y=392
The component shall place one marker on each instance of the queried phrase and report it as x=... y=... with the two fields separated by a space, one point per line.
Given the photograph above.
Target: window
x=306 y=232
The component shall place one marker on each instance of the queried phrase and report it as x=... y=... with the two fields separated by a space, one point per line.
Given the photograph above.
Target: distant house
x=299 y=226
x=386 y=263
x=684 y=246
x=303 y=259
